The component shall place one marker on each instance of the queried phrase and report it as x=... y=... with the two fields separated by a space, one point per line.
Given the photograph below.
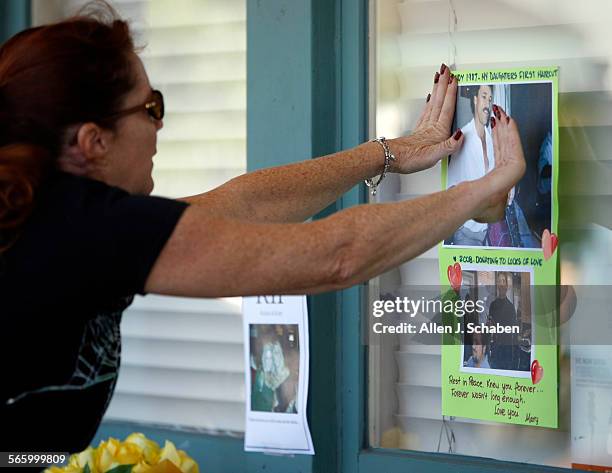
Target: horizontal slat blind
x=412 y=38
x=182 y=359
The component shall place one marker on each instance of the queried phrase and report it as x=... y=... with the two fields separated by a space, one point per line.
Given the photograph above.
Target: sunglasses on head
x=154 y=106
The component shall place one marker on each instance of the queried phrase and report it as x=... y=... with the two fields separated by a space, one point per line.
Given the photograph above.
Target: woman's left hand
x=431 y=139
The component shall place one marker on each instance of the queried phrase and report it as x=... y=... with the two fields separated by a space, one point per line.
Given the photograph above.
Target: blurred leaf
x=121 y=469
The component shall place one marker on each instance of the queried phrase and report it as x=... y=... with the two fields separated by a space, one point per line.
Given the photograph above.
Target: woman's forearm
x=212 y=257
x=294 y=192
x=380 y=237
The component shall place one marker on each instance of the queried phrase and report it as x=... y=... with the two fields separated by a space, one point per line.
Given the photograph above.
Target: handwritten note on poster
x=507 y=371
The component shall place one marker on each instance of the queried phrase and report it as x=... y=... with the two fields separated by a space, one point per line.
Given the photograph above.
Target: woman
x=80 y=235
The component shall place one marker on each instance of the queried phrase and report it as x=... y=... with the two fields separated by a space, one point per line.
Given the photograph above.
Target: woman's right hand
x=509 y=167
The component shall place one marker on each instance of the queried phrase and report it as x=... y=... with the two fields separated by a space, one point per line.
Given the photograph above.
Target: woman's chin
x=150 y=186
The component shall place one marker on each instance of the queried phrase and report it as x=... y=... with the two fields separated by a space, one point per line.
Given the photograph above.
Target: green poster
x=500 y=361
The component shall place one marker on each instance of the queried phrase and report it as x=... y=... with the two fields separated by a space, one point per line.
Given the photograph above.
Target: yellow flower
x=76 y=463
x=113 y=453
x=150 y=449
x=169 y=453
x=188 y=464
x=105 y=454
x=81 y=459
x=135 y=450
x=141 y=467
x=180 y=459
x=64 y=469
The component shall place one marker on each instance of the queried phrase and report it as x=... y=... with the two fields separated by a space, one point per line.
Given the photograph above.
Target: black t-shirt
x=86 y=249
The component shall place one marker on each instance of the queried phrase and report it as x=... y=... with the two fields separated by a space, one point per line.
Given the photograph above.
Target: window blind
x=182 y=359
x=412 y=38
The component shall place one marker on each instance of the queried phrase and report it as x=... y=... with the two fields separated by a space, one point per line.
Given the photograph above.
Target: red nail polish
x=442 y=68
x=458 y=134
x=496 y=112
x=436 y=78
x=428 y=98
x=507 y=119
x=452 y=78
x=492 y=122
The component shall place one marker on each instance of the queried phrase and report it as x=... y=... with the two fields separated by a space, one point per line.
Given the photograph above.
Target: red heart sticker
x=454 y=276
x=554 y=240
x=549 y=243
x=537 y=372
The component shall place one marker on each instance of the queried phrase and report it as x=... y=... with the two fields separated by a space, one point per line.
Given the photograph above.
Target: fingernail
x=436 y=78
x=458 y=134
x=507 y=119
x=496 y=111
x=442 y=68
x=428 y=98
x=492 y=122
x=452 y=78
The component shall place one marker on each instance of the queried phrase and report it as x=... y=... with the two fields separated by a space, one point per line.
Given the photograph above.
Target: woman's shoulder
x=65 y=186
x=72 y=210
x=92 y=234
x=65 y=195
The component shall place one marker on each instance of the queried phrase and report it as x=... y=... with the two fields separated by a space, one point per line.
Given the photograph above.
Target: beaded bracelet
x=388 y=158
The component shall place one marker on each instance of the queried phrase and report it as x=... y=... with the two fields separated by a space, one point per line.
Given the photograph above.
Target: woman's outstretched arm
x=295 y=192
x=207 y=256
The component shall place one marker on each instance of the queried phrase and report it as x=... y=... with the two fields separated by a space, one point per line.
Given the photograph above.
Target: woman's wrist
x=477 y=195
x=491 y=199
x=396 y=149
x=373 y=156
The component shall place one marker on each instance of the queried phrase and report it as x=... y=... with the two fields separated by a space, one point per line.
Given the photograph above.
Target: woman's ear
x=89 y=145
x=92 y=140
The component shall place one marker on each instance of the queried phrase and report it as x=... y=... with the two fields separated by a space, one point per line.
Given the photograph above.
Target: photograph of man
x=474 y=159
x=274 y=360
x=529 y=204
x=502 y=312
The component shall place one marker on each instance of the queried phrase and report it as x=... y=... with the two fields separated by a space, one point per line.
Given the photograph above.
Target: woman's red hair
x=51 y=77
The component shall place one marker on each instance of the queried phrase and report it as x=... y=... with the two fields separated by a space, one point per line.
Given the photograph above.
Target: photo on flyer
x=274 y=365
x=497 y=335
x=529 y=207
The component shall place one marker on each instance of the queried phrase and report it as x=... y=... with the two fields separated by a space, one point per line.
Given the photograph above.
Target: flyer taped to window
x=499 y=359
x=276 y=376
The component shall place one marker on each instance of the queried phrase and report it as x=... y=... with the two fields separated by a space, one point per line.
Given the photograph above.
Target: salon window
x=182 y=359
x=409 y=40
